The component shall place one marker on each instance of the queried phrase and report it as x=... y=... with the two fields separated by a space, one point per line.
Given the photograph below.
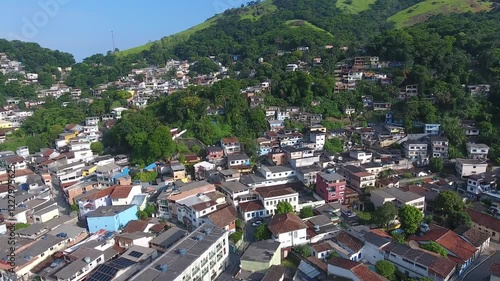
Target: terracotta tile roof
x=70 y=126
x=267 y=192
x=495 y=269
x=158 y=228
x=204 y=205
x=353 y=243
x=322 y=247
x=223 y=217
x=475 y=236
x=121 y=191
x=458 y=246
x=230 y=140
x=442 y=267
x=380 y=232
x=484 y=220
x=206 y=188
x=98 y=193
x=343 y=263
x=251 y=206
x=435 y=232
x=420 y=190
x=365 y=274
x=18 y=173
x=286 y=223
x=135 y=226
x=363 y=174
x=461 y=250
x=362 y=272
x=318 y=263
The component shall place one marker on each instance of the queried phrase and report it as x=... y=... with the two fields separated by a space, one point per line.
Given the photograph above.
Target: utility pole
x=113 y=40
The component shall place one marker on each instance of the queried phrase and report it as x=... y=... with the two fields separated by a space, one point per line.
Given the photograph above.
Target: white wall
x=294 y=238
x=372 y=253
x=341 y=272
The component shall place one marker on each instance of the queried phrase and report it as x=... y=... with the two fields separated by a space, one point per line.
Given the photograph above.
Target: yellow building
x=89 y=170
x=5 y=124
x=68 y=136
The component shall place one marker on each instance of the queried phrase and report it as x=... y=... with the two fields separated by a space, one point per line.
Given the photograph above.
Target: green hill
x=172 y=39
x=354 y=6
x=424 y=10
x=272 y=25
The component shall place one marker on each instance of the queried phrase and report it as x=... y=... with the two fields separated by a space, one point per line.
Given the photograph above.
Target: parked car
x=257 y=223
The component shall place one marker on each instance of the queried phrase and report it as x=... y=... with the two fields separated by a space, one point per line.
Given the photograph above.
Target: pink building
x=331 y=187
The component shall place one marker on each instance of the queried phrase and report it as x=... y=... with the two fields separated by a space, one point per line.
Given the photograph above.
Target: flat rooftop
x=176 y=262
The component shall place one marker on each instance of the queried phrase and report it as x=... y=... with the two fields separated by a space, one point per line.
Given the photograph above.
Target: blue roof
x=150 y=167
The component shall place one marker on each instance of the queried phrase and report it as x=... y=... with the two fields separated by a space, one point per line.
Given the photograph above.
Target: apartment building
x=381 y=196
x=331 y=186
x=271 y=196
x=477 y=151
x=203 y=255
x=288 y=229
x=418 y=263
x=361 y=180
x=439 y=147
x=417 y=152
x=468 y=167
x=230 y=145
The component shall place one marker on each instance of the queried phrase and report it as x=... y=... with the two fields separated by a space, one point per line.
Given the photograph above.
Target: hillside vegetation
x=351 y=22
x=354 y=6
x=422 y=11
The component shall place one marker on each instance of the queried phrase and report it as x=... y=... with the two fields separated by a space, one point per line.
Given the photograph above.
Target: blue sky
x=83 y=27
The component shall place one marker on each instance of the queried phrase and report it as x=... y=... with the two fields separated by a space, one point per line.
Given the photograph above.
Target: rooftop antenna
x=113 y=40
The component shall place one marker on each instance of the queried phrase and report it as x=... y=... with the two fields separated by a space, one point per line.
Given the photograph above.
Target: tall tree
x=385 y=214
x=284 y=208
x=410 y=218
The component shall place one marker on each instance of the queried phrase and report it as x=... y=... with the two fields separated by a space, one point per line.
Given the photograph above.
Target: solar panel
x=123 y=263
x=135 y=254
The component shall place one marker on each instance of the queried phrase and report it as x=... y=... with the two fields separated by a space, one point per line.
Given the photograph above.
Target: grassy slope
x=264 y=8
x=422 y=11
x=355 y=7
x=306 y=25
x=174 y=38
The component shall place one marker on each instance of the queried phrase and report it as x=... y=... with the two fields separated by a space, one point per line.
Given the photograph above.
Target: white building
x=318 y=138
x=271 y=196
x=203 y=255
x=364 y=157
x=289 y=230
x=400 y=198
x=467 y=167
x=477 y=151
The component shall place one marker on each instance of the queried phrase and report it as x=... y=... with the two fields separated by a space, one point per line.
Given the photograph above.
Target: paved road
x=481 y=273
x=58 y=196
x=405 y=181
x=250 y=230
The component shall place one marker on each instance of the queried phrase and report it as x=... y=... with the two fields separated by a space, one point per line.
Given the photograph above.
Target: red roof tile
x=121 y=191
x=484 y=220
x=495 y=269
x=365 y=274
x=286 y=223
x=158 y=228
x=475 y=236
x=461 y=249
x=204 y=205
x=272 y=191
x=223 y=217
x=251 y=206
x=322 y=247
x=343 y=263
x=360 y=270
x=135 y=226
x=353 y=243
x=318 y=263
